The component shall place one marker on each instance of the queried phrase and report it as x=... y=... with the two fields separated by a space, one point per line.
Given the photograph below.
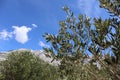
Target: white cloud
x=34 y=25
x=89 y=7
x=21 y=33
x=43 y=44
x=5 y=35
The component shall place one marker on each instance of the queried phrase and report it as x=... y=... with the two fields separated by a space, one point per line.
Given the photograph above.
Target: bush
x=23 y=65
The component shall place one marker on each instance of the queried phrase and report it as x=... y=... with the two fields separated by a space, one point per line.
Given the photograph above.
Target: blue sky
x=23 y=22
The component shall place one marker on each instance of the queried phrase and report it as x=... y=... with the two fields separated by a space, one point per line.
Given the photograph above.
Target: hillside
x=26 y=64
x=39 y=53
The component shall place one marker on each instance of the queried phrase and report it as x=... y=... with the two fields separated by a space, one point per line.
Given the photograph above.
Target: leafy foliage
x=24 y=65
x=86 y=51
x=77 y=39
x=113 y=6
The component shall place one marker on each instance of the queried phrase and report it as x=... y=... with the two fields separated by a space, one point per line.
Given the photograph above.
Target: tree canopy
x=78 y=38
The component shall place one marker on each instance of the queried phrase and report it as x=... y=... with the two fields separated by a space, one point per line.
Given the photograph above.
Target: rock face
x=2 y=56
x=39 y=53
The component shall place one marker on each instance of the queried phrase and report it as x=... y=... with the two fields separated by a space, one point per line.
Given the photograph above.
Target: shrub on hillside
x=24 y=65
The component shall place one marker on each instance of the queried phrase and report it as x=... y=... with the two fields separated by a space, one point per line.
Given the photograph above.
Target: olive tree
x=77 y=39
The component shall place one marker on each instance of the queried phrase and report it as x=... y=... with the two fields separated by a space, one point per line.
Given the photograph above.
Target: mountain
x=39 y=53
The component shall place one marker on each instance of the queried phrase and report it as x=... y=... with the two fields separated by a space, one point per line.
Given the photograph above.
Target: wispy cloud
x=42 y=44
x=89 y=7
x=34 y=25
x=5 y=35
